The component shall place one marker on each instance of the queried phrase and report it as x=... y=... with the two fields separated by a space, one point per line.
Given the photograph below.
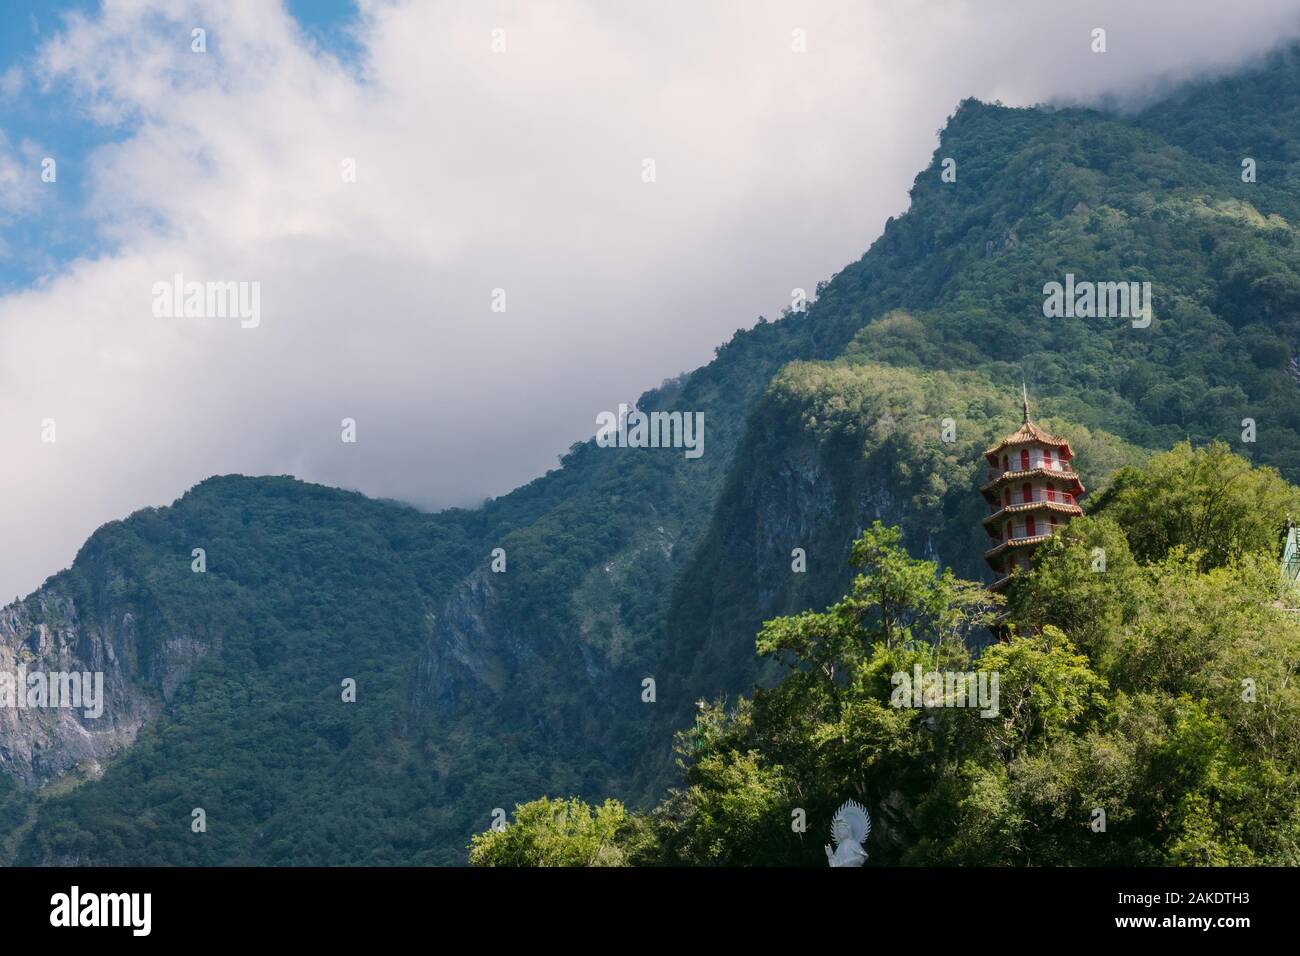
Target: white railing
x=1037 y=494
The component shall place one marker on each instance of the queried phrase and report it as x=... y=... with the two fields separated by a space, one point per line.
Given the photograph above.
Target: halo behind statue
x=855 y=817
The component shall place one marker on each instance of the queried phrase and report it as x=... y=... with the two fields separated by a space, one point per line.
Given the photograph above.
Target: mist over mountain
x=477 y=688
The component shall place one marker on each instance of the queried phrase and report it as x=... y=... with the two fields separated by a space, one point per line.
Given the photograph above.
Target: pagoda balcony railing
x=1020 y=534
x=1037 y=494
x=1052 y=465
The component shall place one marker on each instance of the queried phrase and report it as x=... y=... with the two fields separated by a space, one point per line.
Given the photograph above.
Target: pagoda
x=1032 y=492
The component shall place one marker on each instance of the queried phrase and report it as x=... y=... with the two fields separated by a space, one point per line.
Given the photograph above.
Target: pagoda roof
x=999 y=584
x=1028 y=434
x=1020 y=507
x=1010 y=477
x=1031 y=541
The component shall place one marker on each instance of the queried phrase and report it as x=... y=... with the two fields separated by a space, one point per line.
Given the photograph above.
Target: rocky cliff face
x=569 y=676
x=468 y=651
x=45 y=637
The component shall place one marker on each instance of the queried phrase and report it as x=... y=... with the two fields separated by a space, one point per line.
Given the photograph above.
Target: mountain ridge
x=622 y=565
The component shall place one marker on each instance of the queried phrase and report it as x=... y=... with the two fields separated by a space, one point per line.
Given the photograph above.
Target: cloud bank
x=476 y=169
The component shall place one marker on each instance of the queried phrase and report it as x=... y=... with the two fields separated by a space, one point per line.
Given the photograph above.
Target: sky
x=499 y=153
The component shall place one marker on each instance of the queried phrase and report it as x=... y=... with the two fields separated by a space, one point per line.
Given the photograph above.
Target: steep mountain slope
x=478 y=689
x=240 y=669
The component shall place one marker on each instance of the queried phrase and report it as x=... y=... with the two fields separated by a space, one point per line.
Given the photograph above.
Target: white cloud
x=18 y=186
x=479 y=170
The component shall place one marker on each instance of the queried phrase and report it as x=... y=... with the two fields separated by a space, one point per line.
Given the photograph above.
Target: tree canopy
x=1147 y=707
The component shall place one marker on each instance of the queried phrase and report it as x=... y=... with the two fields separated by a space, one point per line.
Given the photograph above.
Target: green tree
x=1147 y=706
x=1207 y=499
x=549 y=832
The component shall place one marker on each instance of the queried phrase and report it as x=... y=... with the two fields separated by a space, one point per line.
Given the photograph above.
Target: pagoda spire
x=1024 y=392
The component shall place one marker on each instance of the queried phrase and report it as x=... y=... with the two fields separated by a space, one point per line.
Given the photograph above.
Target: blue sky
x=39 y=241
x=36 y=240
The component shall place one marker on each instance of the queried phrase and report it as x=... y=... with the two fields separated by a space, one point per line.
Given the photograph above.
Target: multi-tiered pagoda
x=1032 y=492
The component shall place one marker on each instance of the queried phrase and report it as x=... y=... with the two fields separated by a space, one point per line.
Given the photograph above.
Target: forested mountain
x=479 y=690
x=1139 y=708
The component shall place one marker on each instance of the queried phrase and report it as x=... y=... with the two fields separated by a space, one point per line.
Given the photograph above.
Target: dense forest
x=1147 y=709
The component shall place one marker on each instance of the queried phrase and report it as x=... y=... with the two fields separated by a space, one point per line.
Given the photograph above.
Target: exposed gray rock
x=46 y=634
